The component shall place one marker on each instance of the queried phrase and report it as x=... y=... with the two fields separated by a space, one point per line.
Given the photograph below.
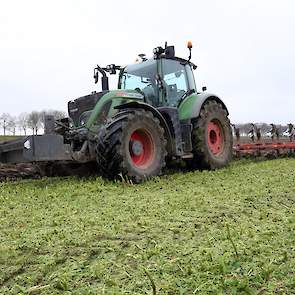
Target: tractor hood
x=83 y=104
x=95 y=101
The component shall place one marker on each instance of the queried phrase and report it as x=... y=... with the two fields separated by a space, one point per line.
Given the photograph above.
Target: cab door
x=175 y=81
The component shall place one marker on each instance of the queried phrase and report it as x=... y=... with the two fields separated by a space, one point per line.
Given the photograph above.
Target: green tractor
x=156 y=115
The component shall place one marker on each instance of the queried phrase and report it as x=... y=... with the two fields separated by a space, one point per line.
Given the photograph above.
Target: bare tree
x=22 y=122
x=4 y=119
x=11 y=124
x=55 y=113
x=42 y=118
x=58 y=114
x=34 y=121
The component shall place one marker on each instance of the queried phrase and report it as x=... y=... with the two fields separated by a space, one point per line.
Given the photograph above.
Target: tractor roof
x=149 y=61
x=181 y=60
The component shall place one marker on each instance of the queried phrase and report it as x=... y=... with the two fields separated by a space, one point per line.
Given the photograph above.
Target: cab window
x=142 y=77
x=175 y=81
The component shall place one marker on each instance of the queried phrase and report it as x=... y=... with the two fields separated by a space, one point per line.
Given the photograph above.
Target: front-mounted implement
x=155 y=116
x=43 y=148
x=36 y=148
x=30 y=156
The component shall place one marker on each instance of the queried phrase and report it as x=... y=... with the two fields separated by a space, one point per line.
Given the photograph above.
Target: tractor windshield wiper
x=140 y=91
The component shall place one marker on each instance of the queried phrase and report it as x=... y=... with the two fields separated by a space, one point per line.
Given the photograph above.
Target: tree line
x=25 y=123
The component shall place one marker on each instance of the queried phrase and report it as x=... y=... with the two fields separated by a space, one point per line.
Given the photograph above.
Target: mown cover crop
x=229 y=231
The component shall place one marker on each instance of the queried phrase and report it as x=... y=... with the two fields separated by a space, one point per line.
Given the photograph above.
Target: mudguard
x=191 y=106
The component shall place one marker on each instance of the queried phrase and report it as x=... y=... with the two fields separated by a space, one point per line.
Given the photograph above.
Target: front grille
x=83 y=104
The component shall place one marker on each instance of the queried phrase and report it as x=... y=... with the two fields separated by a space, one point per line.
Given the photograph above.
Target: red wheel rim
x=141 y=148
x=215 y=137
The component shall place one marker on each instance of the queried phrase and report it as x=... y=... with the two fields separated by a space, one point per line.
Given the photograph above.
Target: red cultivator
x=263 y=139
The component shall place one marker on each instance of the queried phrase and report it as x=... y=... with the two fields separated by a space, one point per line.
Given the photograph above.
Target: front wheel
x=212 y=137
x=133 y=145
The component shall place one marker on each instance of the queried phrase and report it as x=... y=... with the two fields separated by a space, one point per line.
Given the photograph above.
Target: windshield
x=142 y=77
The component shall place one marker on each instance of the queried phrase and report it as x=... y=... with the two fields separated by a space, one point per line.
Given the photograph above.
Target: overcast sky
x=244 y=49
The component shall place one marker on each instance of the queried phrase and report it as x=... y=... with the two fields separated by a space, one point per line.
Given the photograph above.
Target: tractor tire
x=132 y=146
x=212 y=138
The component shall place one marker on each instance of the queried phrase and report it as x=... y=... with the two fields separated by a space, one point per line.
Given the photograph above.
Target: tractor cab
x=164 y=80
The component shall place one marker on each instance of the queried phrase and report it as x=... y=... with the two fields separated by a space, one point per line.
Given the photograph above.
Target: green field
x=229 y=231
x=8 y=137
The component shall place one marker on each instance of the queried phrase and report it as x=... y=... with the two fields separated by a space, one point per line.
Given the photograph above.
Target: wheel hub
x=141 y=148
x=137 y=147
x=215 y=137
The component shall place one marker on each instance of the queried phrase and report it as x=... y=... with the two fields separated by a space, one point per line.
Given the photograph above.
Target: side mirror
x=105 y=83
x=95 y=77
x=204 y=88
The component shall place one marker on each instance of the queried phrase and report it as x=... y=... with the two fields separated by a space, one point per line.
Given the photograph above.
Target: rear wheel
x=212 y=137
x=133 y=145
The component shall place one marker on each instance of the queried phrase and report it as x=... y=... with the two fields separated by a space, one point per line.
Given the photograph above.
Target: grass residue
x=229 y=231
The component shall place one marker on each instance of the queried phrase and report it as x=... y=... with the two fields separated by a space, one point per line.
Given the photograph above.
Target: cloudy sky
x=245 y=49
